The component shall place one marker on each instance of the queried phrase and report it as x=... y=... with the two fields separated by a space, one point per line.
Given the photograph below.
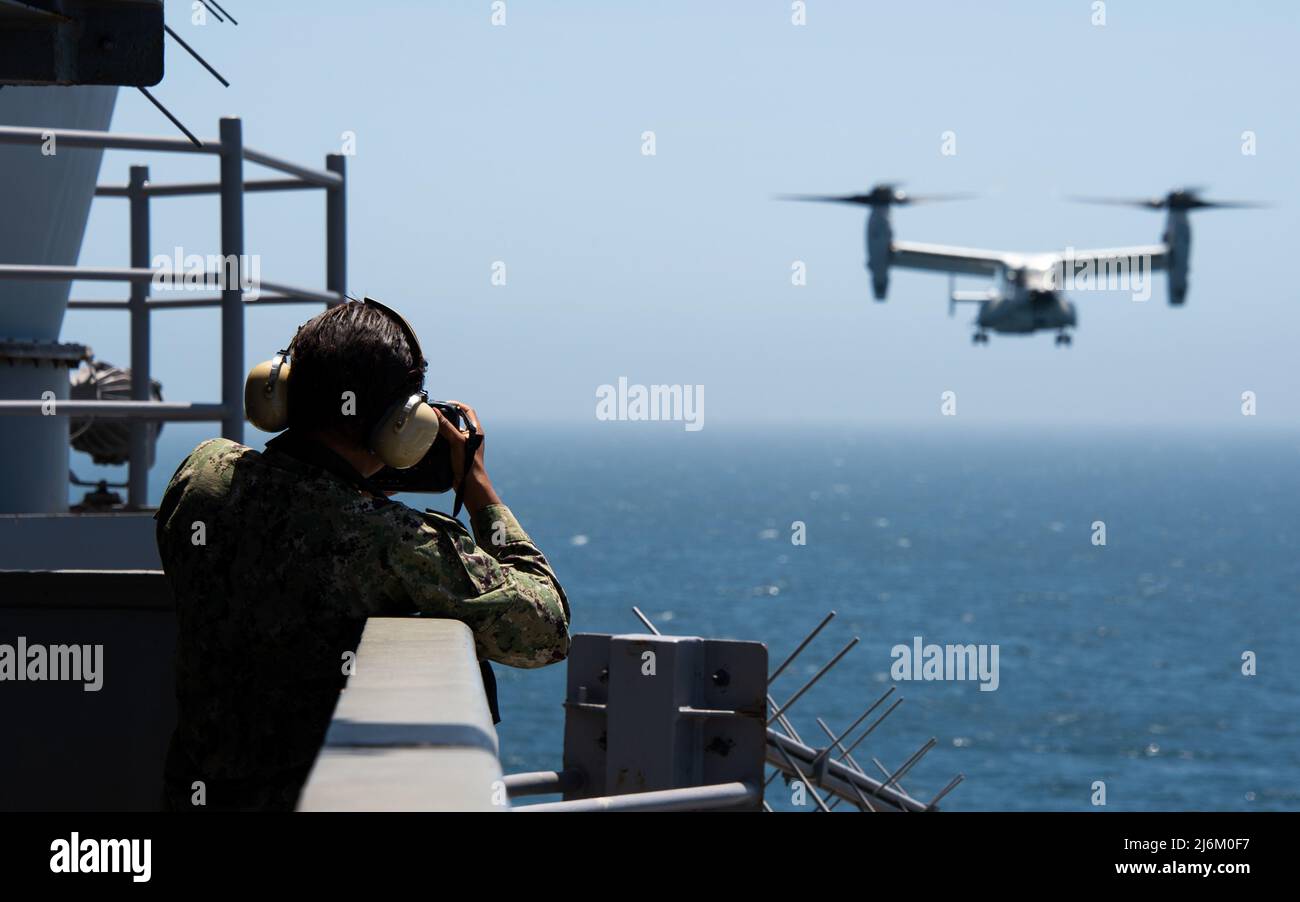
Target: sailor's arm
x=500 y=535
x=502 y=588
x=510 y=598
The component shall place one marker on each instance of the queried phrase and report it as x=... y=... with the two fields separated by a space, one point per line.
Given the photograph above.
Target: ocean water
x=1119 y=663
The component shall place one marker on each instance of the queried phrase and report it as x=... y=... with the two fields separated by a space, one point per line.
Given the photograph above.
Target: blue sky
x=478 y=143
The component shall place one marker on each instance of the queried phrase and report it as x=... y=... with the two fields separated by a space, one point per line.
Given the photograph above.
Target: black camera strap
x=472 y=442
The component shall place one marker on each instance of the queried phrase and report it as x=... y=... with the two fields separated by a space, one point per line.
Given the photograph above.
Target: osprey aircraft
x=1026 y=291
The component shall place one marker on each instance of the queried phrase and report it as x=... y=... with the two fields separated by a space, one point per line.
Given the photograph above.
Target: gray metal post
x=138 y=480
x=336 y=226
x=232 y=295
x=714 y=796
x=537 y=783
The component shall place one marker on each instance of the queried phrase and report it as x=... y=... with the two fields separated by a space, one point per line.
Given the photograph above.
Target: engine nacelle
x=1178 y=238
x=880 y=238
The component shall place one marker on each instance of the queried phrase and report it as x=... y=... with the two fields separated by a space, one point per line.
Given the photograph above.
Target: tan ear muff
x=405 y=433
x=266 y=394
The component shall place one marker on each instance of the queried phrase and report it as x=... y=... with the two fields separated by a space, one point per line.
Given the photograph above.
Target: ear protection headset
x=402 y=435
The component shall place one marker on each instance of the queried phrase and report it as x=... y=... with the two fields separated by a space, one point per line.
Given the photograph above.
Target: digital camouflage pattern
x=275 y=563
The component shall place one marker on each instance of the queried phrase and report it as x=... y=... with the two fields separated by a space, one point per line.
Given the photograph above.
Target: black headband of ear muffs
x=419 y=365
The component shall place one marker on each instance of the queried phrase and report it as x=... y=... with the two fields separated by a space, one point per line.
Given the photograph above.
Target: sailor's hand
x=478 y=488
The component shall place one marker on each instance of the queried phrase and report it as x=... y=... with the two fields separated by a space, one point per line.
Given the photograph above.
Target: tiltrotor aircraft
x=1026 y=294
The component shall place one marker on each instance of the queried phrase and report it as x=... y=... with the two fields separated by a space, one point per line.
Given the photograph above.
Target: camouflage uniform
x=294 y=558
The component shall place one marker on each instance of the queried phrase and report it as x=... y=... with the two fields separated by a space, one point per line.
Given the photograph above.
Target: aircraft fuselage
x=1027 y=311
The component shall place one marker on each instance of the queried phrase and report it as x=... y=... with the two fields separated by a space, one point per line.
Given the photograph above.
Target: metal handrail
x=10 y=134
x=232 y=153
x=34 y=273
x=294 y=296
x=148 y=411
x=324 y=179
x=190 y=189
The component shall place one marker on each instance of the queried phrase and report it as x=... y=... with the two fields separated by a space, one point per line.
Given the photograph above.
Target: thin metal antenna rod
x=802 y=645
x=646 y=620
x=848 y=757
x=820 y=759
x=880 y=766
x=194 y=53
x=836 y=776
x=790 y=729
x=211 y=10
x=783 y=720
x=865 y=714
x=879 y=720
x=790 y=732
x=821 y=673
x=223 y=9
x=947 y=789
x=806 y=782
x=907 y=765
x=836 y=742
x=176 y=122
x=776 y=772
x=862 y=799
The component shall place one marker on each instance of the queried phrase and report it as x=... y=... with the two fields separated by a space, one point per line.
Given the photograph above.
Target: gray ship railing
x=231 y=187
x=412 y=730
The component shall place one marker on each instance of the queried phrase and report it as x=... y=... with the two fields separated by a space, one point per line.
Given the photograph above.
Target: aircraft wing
x=976 y=262
x=1104 y=260
x=941 y=258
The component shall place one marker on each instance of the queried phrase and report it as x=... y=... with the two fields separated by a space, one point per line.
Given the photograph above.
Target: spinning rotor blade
x=1178 y=199
x=933 y=198
x=1153 y=203
x=1231 y=205
x=882 y=194
x=864 y=199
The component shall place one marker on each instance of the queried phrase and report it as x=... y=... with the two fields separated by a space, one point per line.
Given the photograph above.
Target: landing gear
x=1063 y=340
x=980 y=338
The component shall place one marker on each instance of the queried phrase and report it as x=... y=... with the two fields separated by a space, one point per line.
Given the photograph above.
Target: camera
x=433 y=473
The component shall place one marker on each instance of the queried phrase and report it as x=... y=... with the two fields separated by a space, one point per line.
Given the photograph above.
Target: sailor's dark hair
x=354 y=348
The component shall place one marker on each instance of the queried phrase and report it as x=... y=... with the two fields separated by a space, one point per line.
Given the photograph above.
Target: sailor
x=277 y=558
